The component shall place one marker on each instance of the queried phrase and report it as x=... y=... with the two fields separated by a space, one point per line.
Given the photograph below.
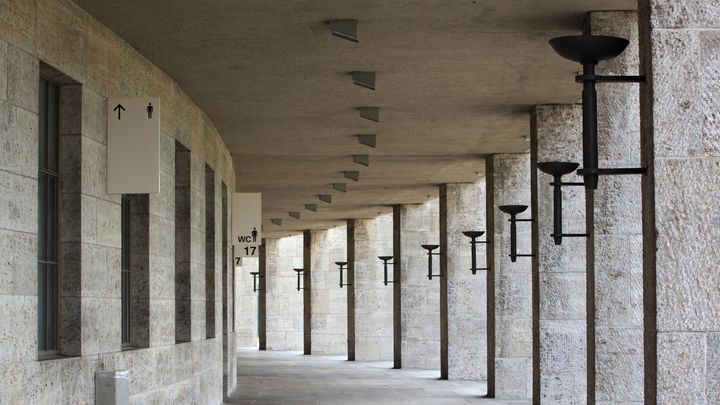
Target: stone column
x=373 y=300
x=466 y=293
x=681 y=147
x=284 y=305
x=615 y=225
x=420 y=337
x=350 y=248
x=397 y=283
x=329 y=301
x=262 y=299
x=559 y=310
x=307 y=297
x=443 y=280
x=510 y=345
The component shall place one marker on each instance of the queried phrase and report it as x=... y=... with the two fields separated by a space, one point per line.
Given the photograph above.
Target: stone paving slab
x=291 y=378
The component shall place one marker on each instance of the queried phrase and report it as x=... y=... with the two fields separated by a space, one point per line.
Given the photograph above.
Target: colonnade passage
x=360 y=202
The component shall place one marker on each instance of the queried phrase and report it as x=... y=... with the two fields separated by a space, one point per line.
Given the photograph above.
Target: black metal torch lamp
x=300 y=272
x=386 y=262
x=343 y=267
x=430 y=254
x=256 y=275
x=513 y=211
x=474 y=235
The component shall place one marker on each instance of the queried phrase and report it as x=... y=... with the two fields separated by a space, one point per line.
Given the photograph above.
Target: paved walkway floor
x=291 y=378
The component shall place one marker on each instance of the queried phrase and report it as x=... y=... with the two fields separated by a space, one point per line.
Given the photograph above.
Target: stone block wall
x=246 y=314
x=466 y=294
x=329 y=301
x=90 y=63
x=681 y=147
x=508 y=179
x=420 y=302
x=373 y=300
x=284 y=304
x=559 y=277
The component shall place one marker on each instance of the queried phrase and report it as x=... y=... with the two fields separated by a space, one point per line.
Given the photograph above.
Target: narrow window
x=209 y=252
x=48 y=197
x=224 y=259
x=182 y=244
x=125 y=271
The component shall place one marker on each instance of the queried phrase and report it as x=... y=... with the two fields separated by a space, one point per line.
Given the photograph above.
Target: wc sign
x=246 y=221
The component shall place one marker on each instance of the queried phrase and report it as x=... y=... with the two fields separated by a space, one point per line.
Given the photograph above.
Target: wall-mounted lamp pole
x=256 y=275
x=343 y=266
x=557 y=170
x=430 y=254
x=513 y=211
x=386 y=262
x=300 y=272
x=588 y=50
x=473 y=235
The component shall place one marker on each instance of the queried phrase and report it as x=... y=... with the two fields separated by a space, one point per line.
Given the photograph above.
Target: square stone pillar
x=681 y=148
x=350 y=293
x=329 y=300
x=510 y=343
x=373 y=299
x=262 y=298
x=466 y=292
x=307 y=296
x=615 y=227
x=420 y=323
x=284 y=303
x=558 y=273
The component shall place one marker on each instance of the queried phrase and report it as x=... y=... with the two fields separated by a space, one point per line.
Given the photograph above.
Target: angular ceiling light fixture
x=473 y=235
x=557 y=170
x=364 y=79
x=256 y=275
x=352 y=175
x=367 y=140
x=325 y=198
x=342 y=187
x=362 y=159
x=343 y=266
x=430 y=254
x=276 y=221
x=513 y=211
x=311 y=207
x=294 y=214
x=370 y=113
x=588 y=50
x=386 y=262
x=300 y=272
x=345 y=29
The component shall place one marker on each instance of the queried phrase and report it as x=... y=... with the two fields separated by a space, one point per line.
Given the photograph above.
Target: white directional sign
x=133 y=154
x=246 y=221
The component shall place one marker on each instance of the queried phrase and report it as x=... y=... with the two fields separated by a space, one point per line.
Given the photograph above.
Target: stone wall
x=615 y=263
x=373 y=300
x=509 y=184
x=246 y=304
x=91 y=64
x=420 y=302
x=559 y=278
x=467 y=309
x=284 y=305
x=329 y=301
x=681 y=147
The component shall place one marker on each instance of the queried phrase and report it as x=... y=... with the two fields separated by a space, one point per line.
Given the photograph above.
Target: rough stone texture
x=509 y=184
x=64 y=37
x=559 y=279
x=246 y=320
x=284 y=317
x=373 y=300
x=616 y=244
x=329 y=301
x=679 y=104
x=467 y=309
x=420 y=301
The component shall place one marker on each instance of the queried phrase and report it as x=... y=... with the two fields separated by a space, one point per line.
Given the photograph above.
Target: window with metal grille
x=48 y=197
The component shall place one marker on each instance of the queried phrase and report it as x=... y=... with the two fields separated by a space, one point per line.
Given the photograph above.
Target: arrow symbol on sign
x=119 y=109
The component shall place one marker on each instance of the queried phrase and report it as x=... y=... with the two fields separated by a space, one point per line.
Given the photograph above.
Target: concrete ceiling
x=455 y=82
